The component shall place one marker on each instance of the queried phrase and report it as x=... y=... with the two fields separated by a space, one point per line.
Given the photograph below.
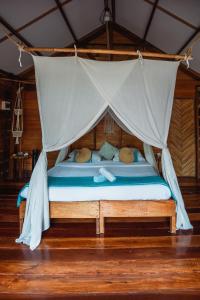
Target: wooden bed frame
x=100 y=210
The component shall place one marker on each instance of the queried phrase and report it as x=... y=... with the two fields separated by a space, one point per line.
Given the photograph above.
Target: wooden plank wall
x=181 y=135
x=182 y=129
x=5 y=126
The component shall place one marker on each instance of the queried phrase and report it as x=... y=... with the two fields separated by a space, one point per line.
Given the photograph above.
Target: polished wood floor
x=134 y=260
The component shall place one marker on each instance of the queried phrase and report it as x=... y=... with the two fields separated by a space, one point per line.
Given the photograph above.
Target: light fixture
x=106 y=15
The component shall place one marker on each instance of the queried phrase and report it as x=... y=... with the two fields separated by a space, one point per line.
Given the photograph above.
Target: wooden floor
x=133 y=261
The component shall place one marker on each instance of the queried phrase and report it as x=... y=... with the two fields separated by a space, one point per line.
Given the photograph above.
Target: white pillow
x=95 y=157
x=140 y=156
x=116 y=156
x=72 y=156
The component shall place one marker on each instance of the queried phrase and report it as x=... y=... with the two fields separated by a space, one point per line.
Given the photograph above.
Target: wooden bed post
x=97 y=226
x=173 y=224
x=21 y=221
x=22 y=209
x=101 y=219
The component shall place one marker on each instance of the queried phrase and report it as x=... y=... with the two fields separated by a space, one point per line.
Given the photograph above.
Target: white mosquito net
x=73 y=93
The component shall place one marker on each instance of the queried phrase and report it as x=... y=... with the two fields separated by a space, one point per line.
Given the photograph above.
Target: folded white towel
x=99 y=178
x=107 y=174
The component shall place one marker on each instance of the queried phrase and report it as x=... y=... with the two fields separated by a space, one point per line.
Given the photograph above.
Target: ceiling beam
x=109 y=25
x=186 y=44
x=62 y=12
x=91 y=36
x=7 y=74
x=113 y=8
x=150 y=20
x=82 y=42
x=108 y=28
x=132 y=37
x=15 y=33
x=33 y=21
x=128 y=34
x=172 y=15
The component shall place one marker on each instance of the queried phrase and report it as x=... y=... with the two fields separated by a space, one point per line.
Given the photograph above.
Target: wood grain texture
x=99 y=210
x=140 y=208
x=182 y=137
x=132 y=260
x=6 y=94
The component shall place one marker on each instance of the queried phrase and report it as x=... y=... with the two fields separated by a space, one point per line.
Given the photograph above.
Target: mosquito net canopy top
x=73 y=93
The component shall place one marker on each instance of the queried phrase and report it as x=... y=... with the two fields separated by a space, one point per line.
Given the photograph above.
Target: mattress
x=129 y=192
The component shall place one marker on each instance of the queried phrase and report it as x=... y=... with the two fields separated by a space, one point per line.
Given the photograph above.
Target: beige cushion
x=83 y=155
x=126 y=155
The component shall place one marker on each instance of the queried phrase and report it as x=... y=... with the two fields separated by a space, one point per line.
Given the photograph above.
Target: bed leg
x=173 y=224
x=21 y=220
x=97 y=226
x=101 y=223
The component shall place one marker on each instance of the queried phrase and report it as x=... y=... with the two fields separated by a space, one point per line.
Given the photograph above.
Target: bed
x=138 y=192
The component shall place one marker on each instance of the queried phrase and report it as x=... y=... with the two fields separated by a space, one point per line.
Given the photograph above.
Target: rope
x=187 y=57
x=140 y=57
x=75 y=51
x=20 y=46
x=20 y=56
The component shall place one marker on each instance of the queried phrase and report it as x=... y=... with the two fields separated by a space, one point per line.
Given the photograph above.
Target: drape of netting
x=73 y=94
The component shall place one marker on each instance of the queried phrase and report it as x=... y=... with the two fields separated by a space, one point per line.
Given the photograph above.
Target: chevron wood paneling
x=182 y=137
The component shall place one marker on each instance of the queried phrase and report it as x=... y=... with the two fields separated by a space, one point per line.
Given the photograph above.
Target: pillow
x=126 y=155
x=96 y=157
x=83 y=155
x=107 y=151
x=116 y=156
x=140 y=156
x=137 y=155
x=71 y=156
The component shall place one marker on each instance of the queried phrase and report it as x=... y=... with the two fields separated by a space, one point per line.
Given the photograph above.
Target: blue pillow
x=108 y=151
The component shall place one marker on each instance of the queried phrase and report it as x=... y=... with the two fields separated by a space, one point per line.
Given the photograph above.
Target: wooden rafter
x=113 y=8
x=40 y=17
x=125 y=32
x=186 y=44
x=62 y=12
x=82 y=42
x=174 y=16
x=16 y=34
x=109 y=32
x=132 y=37
x=7 y=74
x=135 y=41
x=91 y=36
x=150 y=20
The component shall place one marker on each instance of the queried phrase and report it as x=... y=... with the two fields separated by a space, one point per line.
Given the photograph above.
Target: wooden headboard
x=96 y=137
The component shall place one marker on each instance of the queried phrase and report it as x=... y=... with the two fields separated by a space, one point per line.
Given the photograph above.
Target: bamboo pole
x=109 y=51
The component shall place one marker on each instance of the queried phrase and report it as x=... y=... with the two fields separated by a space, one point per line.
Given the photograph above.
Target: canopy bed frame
x=86 y=89
x=100 y=210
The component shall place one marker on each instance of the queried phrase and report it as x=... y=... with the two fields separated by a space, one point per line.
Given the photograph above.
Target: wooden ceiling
x=166 y=25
